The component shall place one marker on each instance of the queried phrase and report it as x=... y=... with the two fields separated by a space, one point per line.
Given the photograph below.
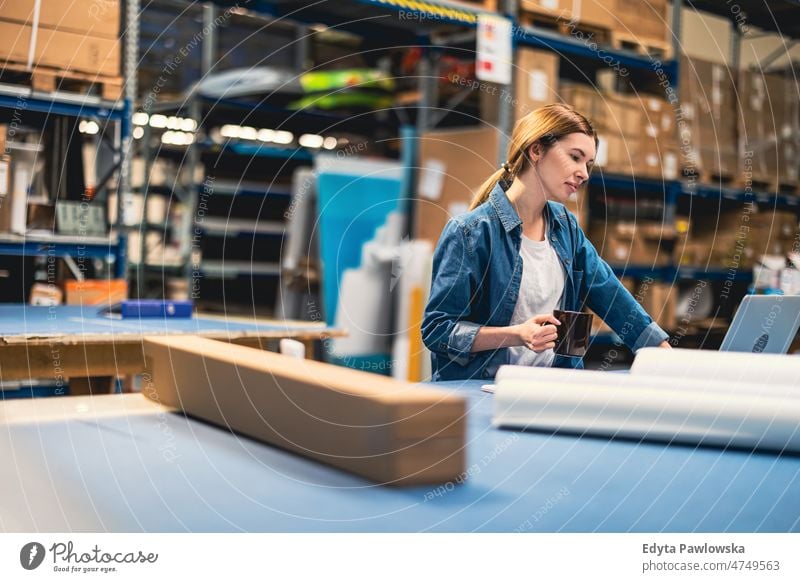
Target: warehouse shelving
x=422 y=25
x=673 y=273
x=63 y=103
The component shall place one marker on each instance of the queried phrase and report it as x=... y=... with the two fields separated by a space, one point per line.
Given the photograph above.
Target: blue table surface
x=26 y=320
x=163 y=472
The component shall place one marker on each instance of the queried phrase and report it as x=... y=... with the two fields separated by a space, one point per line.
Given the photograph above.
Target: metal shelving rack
x=62 y=103
x=421 y=26
x=110 y=248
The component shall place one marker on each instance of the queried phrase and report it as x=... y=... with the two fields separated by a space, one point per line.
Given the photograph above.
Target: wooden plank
x=389 y=431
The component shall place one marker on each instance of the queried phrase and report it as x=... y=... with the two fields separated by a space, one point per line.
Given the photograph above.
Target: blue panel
x=351 y=208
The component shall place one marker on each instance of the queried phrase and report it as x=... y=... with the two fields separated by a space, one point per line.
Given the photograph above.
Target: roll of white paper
x=739 y=367
x=557 y=377
x=737 y=419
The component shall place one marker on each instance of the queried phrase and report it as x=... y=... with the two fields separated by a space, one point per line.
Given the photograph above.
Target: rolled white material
x=687 y=396
x=735 y=419
x=557 y=377
x=752 y=369
x=292 y=348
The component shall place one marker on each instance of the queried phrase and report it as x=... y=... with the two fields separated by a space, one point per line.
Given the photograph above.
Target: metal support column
x=130 y=70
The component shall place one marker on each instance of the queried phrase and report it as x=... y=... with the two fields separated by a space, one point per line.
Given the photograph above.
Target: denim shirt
x=477 y=269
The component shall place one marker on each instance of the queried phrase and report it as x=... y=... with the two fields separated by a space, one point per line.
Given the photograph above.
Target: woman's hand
x=665 y=344
x=537 y=334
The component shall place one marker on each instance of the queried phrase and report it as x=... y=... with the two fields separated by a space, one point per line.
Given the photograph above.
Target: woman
x=501 y=269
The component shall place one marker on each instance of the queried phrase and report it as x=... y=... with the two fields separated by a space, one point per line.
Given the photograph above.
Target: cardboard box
x=646 y=19
x=389 y=431
x=706 y=129
x=589 y=12
x=633 y=244
x=453 y=165
x=59 y=49
x=660 y=301
x=637 y=134
x=658 y=159
x=535 y=85
x=769 y=127
x=728 y=240
x=617 y=154
x=96 y=292
x=98 y=18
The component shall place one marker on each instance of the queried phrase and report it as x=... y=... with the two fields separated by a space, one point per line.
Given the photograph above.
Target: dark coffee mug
x=574 y=332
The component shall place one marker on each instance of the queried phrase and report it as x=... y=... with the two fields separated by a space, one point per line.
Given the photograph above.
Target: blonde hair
x=546 y=126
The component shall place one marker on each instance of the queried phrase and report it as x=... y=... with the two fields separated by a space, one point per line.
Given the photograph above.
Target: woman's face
x=565 y=166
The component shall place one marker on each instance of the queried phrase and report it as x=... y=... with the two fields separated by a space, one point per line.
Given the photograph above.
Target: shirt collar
x=508 y=215
x=502 y=205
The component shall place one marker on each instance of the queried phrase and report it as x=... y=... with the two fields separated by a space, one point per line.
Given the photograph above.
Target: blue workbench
x=121 y=463
x=78 y=342
x=29 y=321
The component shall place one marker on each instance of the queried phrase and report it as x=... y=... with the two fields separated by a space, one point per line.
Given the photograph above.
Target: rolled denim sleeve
x=652 y=336
x=605 y=294
x=446 y=329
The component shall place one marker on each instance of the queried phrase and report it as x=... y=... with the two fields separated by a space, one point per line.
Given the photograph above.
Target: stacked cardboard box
x=723 y=241
x=707 y=130
x=453 y=166
x=637 y=133
x=769 y=128
x=737 y=239
x=80 y=35
x=658 y=150
x=535 y=85
x=640 y=243
x=774 y=233
x=588 y=12
x=645 y=20
x=616 y=123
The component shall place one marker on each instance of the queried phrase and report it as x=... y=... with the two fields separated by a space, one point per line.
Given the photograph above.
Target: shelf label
x=431 y=182
x=493 y=63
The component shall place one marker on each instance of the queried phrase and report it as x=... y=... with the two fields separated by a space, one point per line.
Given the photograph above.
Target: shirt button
x=568 y=261
x=486 y=374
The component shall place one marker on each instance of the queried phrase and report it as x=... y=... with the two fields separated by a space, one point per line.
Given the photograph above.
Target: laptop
x=764 y=324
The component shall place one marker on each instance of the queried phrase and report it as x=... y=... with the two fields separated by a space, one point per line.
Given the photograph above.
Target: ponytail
x=482 y=195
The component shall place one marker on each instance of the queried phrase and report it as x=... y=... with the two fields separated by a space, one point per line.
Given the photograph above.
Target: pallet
x=49 y=80
x=562 y=25
x=646 y=47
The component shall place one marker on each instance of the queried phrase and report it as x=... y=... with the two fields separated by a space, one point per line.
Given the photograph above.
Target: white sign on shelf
x=493 y=63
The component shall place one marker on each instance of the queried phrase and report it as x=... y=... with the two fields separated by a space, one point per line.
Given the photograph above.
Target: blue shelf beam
x=61 y=249
x=672 y=273
x=558 y=43
x=56 y=107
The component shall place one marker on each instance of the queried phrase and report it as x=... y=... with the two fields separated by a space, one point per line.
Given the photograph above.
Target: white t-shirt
x=540 y=291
